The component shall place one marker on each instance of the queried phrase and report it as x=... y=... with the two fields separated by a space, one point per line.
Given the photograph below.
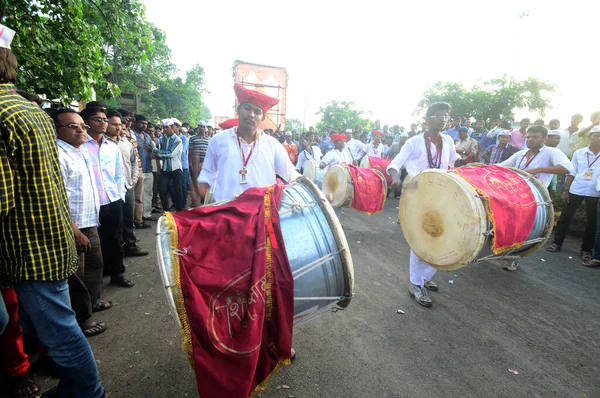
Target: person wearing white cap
x=169 y=150
x=581 y=185
x=39 y=251
x=290 y=147
x=354 y=145
x=500 y=152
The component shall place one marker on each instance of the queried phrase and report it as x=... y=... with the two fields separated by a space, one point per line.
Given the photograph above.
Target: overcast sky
x=384 y=54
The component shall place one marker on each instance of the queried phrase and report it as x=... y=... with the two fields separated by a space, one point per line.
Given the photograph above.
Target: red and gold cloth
x=369 y=190
x=381 y=164
x=510 y=203
x=235 y=292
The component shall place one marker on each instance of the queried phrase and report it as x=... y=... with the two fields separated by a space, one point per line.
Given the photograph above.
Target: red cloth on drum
x=381 y=164
x=237 y=287
x=369 y=190
x=510 y=203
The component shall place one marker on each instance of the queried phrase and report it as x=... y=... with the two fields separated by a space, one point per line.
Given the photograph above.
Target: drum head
x=364 y=163
x=310 y=170
x=443 y=219
x=336 y=185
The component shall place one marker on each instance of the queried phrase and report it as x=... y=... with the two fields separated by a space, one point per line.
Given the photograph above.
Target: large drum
x=316 y=248
x=313 y=172
x=338 y=186
x=381 y=165
x=445 y=220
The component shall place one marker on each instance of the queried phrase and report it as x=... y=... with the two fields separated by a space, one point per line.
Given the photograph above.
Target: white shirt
x=413 y=155
x=564 y=144
x=305 y=156
x=223 y=163
x=547 y=157
x=355 y=147
x=374 y=151
x=582 y=163
x=334 y=156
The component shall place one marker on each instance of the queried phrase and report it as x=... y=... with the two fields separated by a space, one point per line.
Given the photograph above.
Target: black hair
x=538 y=129
x=113 y=112
x=438 y=106
x=95 y=104
x=31 y=97
x=124 y=112
x=526 y=120
x=539 y=121
x=89 y=112
x=57 y=112
x=139 y=117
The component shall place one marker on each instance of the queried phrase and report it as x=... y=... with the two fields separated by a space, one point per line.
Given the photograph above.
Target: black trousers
x=111 y=238
x=85 y=285
x=163 y=187
x=155 y=174
x=568 y=211
x=129 y=237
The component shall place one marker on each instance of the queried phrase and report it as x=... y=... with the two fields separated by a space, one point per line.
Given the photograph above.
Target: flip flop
x=22 y=382
x=93 y=329
x=101 y=305
x=593 y=263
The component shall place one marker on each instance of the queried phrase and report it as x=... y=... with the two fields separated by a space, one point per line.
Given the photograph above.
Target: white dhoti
x=420 y=271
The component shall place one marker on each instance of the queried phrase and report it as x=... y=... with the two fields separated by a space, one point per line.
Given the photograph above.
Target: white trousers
x=147 y=194
x=419 y=270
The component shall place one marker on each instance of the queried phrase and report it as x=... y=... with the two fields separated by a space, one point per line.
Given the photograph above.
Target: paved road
x=542 y=321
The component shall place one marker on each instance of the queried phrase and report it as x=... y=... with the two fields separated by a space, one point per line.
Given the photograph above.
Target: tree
x=294 y=125
x=341 y=115
x=495 y=99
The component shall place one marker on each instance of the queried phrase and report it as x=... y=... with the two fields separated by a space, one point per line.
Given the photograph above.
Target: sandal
x=93 y=329
x=553 y=248
x=592 y=263
x=23 y=386
x=587 y=256
x=101 y=305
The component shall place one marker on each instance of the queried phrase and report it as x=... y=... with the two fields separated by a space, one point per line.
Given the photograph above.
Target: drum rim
x=162 y=227
x=315 y=165
x=384 y=181
x=476 y=205
x=550 y=223
x=349 y=187
x=338 y=235
x=367 y=163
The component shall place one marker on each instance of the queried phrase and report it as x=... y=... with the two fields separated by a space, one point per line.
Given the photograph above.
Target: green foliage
x=178 y=98
x=341 y=115
x=294 y=125
x=494 y=99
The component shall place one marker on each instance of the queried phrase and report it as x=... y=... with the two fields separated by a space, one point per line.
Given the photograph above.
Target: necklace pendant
x=243 y=179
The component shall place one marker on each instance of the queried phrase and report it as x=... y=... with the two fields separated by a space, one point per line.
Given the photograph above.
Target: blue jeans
x=3 y=315
x=45 y=311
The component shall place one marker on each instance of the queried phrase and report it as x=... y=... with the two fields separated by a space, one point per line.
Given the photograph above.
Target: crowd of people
x=76 y=185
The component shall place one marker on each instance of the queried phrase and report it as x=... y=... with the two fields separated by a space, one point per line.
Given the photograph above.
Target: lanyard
x=528 y=161
x=244 y=158
x=435 y=162
x=588 y=160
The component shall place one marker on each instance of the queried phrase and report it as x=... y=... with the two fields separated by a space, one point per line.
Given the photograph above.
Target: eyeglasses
x=440 y=117
x=99 y=119
x=74 y=126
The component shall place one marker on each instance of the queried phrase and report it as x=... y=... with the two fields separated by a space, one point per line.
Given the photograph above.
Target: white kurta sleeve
x=400 y=160
x=283 y=166
x=558 y=158
x=208 y=175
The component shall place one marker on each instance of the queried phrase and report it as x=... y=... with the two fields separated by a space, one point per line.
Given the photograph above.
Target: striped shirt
x=80 y=184
x=36 y=236
x=198 y=147
x=108 y=170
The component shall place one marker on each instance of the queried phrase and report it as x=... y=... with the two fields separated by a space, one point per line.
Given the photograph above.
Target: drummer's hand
x=565 y=196
x=396 y=183
x=355 y=163
x=81 y=241
x=533 y=172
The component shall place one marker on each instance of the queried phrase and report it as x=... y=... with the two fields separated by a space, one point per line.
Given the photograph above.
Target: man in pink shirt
x=518 y=136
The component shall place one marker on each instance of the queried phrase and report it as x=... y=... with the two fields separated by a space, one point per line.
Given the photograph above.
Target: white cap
x=505 y=133
x=201 y=123
x=167 y=122
x=288 y=133
x=176 y=121
x=184 y=130
x=555 y=133
x=348 y=130
x=6 y=36
x=596 y=129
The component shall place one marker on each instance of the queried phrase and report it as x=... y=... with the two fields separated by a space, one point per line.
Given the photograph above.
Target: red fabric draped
x=369 y=190
x=238 y=292
x=381 y=164
x=510 y=203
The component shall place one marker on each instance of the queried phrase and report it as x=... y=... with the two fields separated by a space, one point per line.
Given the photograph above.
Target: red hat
x=337 y=137
x=227 y=124
x=375 y=133
x=244 y=96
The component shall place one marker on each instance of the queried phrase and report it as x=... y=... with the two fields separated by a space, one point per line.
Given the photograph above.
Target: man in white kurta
x=309 y=153
x=415 y=158
x=244 y=156
x=340 y=154
x=354 y=145
x=375 y=147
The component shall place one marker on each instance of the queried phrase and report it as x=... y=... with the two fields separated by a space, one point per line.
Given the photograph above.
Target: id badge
x=587 y=176
x=243 y=173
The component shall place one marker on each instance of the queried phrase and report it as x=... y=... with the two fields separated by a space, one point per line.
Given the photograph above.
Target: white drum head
x=365 y=163
x=337 y=186
x=443 y=219
x=310 y=169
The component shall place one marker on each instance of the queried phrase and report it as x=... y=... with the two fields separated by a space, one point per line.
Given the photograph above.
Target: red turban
x=375 y=133
x=244 y=96
x=337 y=137
x=227 y=124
